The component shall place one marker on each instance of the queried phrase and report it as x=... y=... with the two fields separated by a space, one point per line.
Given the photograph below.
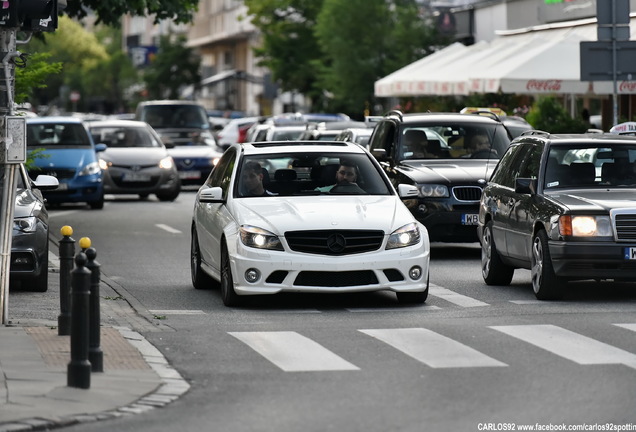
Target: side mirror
x=379 y=154
x=100 y=147
x=211 y=195
x=526 y=186
x=407 y=191
x=46 y=182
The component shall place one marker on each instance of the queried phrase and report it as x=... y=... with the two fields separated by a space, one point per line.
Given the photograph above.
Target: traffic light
x=29 y=15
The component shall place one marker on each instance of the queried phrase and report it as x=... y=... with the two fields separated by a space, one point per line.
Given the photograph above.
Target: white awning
x=533 y=61
x=218 y=77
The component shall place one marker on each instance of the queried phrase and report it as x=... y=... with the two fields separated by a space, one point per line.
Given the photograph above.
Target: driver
x=347 y=174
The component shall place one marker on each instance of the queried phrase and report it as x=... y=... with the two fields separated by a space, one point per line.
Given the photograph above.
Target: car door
x=499 y=195
x=520 y=221
x=212 y=218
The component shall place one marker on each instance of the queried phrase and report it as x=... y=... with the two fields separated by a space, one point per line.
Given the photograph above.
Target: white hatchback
x=306 y=217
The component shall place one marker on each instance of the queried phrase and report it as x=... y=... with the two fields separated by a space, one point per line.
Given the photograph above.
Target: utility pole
x=24 y=17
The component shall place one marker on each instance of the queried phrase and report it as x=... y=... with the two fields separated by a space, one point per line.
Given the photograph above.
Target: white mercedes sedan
x=306 y=216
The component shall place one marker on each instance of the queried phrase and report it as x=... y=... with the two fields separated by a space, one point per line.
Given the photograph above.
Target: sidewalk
x=33 y=368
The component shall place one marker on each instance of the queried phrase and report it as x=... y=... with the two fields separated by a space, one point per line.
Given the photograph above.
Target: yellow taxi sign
x=471 y=110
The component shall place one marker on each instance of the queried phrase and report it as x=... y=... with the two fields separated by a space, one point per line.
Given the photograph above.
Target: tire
x=413 y=297
x=41 y=283
x=493 y=270
x=168 y=196
x=97 y=205
x=200 y=279
x=545 y=283
x=228 y=295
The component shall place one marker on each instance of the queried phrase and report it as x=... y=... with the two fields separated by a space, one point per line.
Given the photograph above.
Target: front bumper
x=298 y=272
x=592 y=260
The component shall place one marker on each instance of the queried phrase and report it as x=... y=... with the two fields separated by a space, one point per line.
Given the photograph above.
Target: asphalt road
x=472 y=358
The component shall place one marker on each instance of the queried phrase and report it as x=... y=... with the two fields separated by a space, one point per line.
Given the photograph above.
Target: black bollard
x=79 y=369
x=95 y=354
x=66 y=251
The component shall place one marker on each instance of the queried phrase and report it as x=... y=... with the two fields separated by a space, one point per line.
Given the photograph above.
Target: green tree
x=289 y=48
x=174 y=66
x=110 y=12
x=34 y=75
x=547 y=114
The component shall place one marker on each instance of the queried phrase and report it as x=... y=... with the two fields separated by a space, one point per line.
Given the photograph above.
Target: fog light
x=252 y=275
x=415 y=272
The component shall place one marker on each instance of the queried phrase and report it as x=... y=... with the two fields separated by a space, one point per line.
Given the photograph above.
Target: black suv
x=434 y=151
x=562 y=206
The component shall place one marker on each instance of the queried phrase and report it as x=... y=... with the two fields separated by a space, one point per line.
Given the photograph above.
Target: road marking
x=401 y=309
x=631 y=327
x=570 y=345
x=530 y=302
x=453 y=297
x=433 y=349
x=168 y=228
x=176 y=312
x=293 y=352
x=54 y=214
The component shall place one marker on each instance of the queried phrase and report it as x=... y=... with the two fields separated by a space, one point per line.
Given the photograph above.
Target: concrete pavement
x=34 y=394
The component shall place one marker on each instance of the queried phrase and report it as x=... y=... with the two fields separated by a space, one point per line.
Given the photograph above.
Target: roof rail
x=535 y=132
x=487 y=113
x=395 y=113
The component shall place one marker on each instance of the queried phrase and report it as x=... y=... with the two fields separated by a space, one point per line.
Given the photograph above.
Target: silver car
x=135 y=161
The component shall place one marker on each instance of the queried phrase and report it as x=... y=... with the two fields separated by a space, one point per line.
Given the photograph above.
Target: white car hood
x=281 y=214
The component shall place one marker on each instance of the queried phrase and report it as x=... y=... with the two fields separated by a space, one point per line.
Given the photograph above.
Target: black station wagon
x=562 y=206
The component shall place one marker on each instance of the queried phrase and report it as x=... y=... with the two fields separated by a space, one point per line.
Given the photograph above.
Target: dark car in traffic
x=563 y=207
x=29 y=263
x=434 y=152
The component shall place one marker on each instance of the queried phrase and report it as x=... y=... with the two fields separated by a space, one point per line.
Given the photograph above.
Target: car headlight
x=103 y=165
x=166 y=163
x=90 y=169
x=433 y=191
x=27 y=224
x=407 y=235
x=259 y=238
x=585 y=226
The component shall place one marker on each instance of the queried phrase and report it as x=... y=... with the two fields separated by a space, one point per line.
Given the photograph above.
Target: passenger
x=479 y=147
x=415 y=145
x=252 y=180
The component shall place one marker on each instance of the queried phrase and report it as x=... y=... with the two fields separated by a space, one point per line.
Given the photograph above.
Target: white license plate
x=630 y=253
x=470 y=219
x=189 y=174
x=134 y=177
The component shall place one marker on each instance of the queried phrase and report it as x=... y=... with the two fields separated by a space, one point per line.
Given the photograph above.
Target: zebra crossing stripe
x=631 y=327
x=453 y=297
x=433 y=349
x=293 y=352
x=568 y=344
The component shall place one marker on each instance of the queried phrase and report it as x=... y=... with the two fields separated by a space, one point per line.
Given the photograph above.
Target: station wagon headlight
x=259 y=238
x=27 y=224
x=90 y=169
x=103 y=164
x=585 y=226
x=432 y=191
x=407 y=235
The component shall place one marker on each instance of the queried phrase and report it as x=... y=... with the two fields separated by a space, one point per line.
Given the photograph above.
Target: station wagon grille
x=625 y=224
x=334 y=242
x=467 y=193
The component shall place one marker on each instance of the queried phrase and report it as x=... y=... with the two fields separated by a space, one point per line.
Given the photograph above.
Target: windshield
x=588 y=166
x=175 y=116
x=452 y=141
x=309 y=174
x=124 y=136
x=61 y=135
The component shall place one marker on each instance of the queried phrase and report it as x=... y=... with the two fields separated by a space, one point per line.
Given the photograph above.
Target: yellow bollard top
x=66 y=231
x=85 y=242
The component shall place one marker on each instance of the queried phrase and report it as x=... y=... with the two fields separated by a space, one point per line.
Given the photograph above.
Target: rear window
x=175 y=116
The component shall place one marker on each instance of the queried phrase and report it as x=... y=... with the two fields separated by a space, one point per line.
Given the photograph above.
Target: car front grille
x=625 y=224
x=334 y=242
x=59 y=173
x=467 y=193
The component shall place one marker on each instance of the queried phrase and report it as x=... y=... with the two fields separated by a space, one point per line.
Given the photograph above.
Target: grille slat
x=625 y=223
x=334 y=242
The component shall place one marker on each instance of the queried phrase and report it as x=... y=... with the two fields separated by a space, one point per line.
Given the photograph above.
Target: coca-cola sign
x=627 y=87
x=544 y=85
